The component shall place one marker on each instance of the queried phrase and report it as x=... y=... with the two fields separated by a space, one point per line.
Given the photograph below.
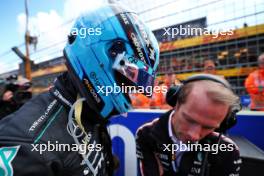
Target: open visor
x=136 y=71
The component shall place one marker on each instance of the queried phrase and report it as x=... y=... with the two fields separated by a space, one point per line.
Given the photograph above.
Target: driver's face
x=197 y=117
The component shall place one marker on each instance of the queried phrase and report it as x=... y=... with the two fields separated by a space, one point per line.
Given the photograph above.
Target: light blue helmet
x=110 y=47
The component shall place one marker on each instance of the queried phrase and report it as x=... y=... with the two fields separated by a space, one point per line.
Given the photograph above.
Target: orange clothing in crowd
x=157 y=100
x=255 y=87
x=139 y=101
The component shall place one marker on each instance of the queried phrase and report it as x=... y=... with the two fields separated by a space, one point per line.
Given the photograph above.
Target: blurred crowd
x=14 y=91
x=254 y=85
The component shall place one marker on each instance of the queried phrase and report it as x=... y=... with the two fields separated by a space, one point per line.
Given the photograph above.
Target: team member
x=255 y=86
x=175 y=143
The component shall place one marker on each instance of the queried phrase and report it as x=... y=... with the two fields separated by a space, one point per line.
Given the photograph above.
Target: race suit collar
x=172 y=136
x=64 y=91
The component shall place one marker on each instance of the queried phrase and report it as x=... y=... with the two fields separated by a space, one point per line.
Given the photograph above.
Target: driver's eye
x=118 y=47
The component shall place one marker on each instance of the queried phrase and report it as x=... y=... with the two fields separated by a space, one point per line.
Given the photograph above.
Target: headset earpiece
x=227 y=123
x=172 y=95
x=231 y=119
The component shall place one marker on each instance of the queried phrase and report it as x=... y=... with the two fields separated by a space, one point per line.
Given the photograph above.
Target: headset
x=175 y=91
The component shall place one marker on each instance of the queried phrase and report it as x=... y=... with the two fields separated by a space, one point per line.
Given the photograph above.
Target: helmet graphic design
x=110 y=47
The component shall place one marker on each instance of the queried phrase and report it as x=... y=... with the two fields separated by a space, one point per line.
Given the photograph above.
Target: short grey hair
x=216 y=92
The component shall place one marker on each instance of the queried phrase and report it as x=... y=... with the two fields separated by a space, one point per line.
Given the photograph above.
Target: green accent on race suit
x=49 y=123
x=7 y=154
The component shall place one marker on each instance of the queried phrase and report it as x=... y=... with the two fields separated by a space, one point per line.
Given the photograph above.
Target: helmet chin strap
x=78 y=111
x=77 y=131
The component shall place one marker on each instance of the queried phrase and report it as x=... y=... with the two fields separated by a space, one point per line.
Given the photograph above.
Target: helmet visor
x=136 y=71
